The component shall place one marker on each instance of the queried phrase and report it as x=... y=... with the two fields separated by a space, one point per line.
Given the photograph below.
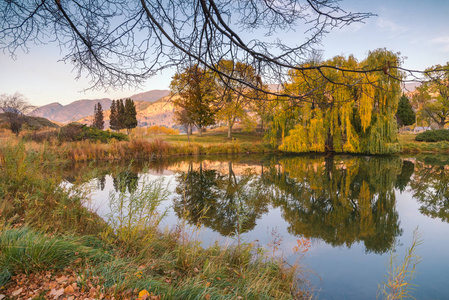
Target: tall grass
x=134 y=215
x=400 y=274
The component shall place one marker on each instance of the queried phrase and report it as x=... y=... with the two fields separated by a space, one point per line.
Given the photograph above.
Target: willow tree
x=357 y=115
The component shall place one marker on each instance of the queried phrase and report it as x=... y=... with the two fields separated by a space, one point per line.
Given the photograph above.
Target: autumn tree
x=195 y=90
x=405 y=114
x=182 y=118
x=13 y=108
x=98 y=117
x=434 y=95
x=233 y=97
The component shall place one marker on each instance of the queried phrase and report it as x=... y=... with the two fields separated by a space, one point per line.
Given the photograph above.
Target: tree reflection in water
x=226 y=203
x=341 y=200
x=430 y=186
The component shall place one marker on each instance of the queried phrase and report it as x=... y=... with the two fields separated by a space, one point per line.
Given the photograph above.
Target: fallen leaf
x=57 y=293
x=61 y=279
x=69 y=290
x=143 y=294
x=207 y=297
x=17 y=292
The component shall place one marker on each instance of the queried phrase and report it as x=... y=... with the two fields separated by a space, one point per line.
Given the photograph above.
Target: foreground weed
x=134 y=216
x=400 y=274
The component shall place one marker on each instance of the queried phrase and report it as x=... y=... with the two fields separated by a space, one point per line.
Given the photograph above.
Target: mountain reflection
x=341 y=200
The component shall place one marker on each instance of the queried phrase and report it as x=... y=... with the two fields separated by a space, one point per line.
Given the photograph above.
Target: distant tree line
x=123 y=115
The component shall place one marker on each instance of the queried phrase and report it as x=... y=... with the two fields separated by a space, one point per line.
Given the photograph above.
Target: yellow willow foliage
x=355 y=116
x=365 y=210
x=366 y=105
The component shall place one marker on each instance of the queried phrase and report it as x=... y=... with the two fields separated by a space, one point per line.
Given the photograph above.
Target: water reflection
x=430 y=186
x=226 y=203
x=341 y=200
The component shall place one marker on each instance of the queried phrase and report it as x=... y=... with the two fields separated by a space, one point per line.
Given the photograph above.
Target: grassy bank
x=409 y=145
x=143 y=147
x=51 y=245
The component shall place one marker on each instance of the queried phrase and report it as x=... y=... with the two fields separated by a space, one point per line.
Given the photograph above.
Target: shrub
x=79 y=132
x=156 y=129
x=433 y=136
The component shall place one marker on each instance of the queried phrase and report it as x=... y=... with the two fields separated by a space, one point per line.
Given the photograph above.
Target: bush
x=433 y=136
x=78 y=132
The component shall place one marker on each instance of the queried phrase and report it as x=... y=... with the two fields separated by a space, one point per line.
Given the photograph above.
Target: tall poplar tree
x=120 y=114
x=113 y=118
x=98 y=117
x=130 y=115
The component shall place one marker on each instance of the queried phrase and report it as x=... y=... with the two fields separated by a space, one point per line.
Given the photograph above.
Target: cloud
x=391 y=27
x=442 y=42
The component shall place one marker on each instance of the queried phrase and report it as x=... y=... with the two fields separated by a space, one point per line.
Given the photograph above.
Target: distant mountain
x=84 y=108
x=70 y=112
x=150 y=96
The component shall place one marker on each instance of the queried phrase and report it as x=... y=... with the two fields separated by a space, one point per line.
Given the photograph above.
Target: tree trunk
x=229 y=130
x=200 y=131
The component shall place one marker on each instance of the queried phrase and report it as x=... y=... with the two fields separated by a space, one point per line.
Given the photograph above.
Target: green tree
x=435 y=96
x=98 y=117
x=113 y=117
x=120 y=114
x=195 y=88
x=130 y=115
x=405 y=114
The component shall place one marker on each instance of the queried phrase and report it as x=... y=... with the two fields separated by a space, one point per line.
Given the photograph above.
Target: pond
x=352 y=210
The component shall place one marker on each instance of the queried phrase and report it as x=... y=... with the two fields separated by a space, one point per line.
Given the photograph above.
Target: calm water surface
x=353 y=209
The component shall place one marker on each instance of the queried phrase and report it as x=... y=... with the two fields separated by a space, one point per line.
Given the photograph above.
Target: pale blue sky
x=417 y=29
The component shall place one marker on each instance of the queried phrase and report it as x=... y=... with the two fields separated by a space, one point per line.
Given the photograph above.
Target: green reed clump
x=24 y=251
x=400 y=274
x=134 y=215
